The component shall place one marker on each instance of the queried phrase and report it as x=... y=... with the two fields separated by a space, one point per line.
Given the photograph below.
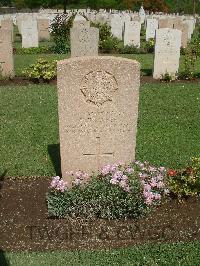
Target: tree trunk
x=65 y=2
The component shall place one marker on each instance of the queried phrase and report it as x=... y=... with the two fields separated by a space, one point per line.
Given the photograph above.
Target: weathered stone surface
x=132 y=33
x=7 y=24
x=167 y=52
x=98 y=109
x=6 y=54
x=43 y=29
x=84 y=41
x=152 y=26
x=184 y=28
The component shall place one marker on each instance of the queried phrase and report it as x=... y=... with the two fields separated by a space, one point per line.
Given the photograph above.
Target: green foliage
x=104 y=30
x=33 y=50
x=167 y=77
x=42 y=70
x=129 y=49
x=110 y=45
x=186 y=182
x=149 y=45
x=98 y=199
x=61 y=33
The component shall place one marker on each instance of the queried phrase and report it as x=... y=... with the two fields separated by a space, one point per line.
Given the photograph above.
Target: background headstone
x=6 y=54
x=132 y=33
x=116 y=26
x=167 y=52
x=98 y=110
x=29 y=33
x=152 y=26
x=84 y=41
x=43 y=29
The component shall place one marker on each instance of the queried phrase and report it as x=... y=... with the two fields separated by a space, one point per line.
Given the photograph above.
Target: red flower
x=172 y=172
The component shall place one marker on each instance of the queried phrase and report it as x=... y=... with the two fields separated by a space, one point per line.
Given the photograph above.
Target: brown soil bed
x=20 y=81
x=24 y=223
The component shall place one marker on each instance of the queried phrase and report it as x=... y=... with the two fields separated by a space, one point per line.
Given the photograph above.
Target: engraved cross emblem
x=99 y=154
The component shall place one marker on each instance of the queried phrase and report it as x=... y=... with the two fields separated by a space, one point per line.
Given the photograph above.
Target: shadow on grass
x=3 y=260
x=54 y=153
x=2 y=176
x=147 y=72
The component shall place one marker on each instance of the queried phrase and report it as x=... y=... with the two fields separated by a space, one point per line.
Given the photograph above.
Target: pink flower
x=127 y=189
x=105 y=170
x=123 y=183
x=114 y=181
x=62 y=186
x=160 y=184
x=77 y=182
x=129 y=170
x=55 y=181
x=147 y=187
x=118 y=175
x=157 y=196
x=153 y=182
x=152 y=169
x=149 y=201
x=162 y=169
x=124 y=178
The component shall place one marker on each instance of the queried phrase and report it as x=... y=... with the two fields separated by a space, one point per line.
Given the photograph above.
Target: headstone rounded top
x=141 y=11
x=78 y=17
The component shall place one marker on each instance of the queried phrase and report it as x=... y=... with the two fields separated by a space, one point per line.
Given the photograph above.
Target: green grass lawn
x=147 y=255
x=168 y=128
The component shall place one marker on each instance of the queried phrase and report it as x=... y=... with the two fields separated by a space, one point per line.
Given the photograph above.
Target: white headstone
x=29 y=33
x=116 y=26
x=132 y=33
x=167 y=52
x=152 y=26
x=142 y=14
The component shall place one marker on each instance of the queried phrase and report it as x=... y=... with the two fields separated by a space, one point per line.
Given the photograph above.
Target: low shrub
x=185 y=182
x=167 y=77
x=104 y=31
x=129 y=49
x=110 y=45
x=33 y=50
x=118 y=191
x=42 y=71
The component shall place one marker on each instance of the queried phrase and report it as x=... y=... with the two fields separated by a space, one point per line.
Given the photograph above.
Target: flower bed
x=121 y=191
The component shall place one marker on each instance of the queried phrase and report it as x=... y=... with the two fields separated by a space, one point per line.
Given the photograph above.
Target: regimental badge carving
x=98 y=87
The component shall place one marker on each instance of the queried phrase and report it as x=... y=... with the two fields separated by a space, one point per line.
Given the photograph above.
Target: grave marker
x=98 y=109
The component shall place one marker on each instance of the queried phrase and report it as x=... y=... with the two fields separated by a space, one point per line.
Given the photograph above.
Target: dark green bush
x=110 y=45
x=61 y=33
x=104 y=30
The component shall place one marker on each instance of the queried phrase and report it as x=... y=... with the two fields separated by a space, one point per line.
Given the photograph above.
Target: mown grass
x=147 y=255
x=168 y=127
